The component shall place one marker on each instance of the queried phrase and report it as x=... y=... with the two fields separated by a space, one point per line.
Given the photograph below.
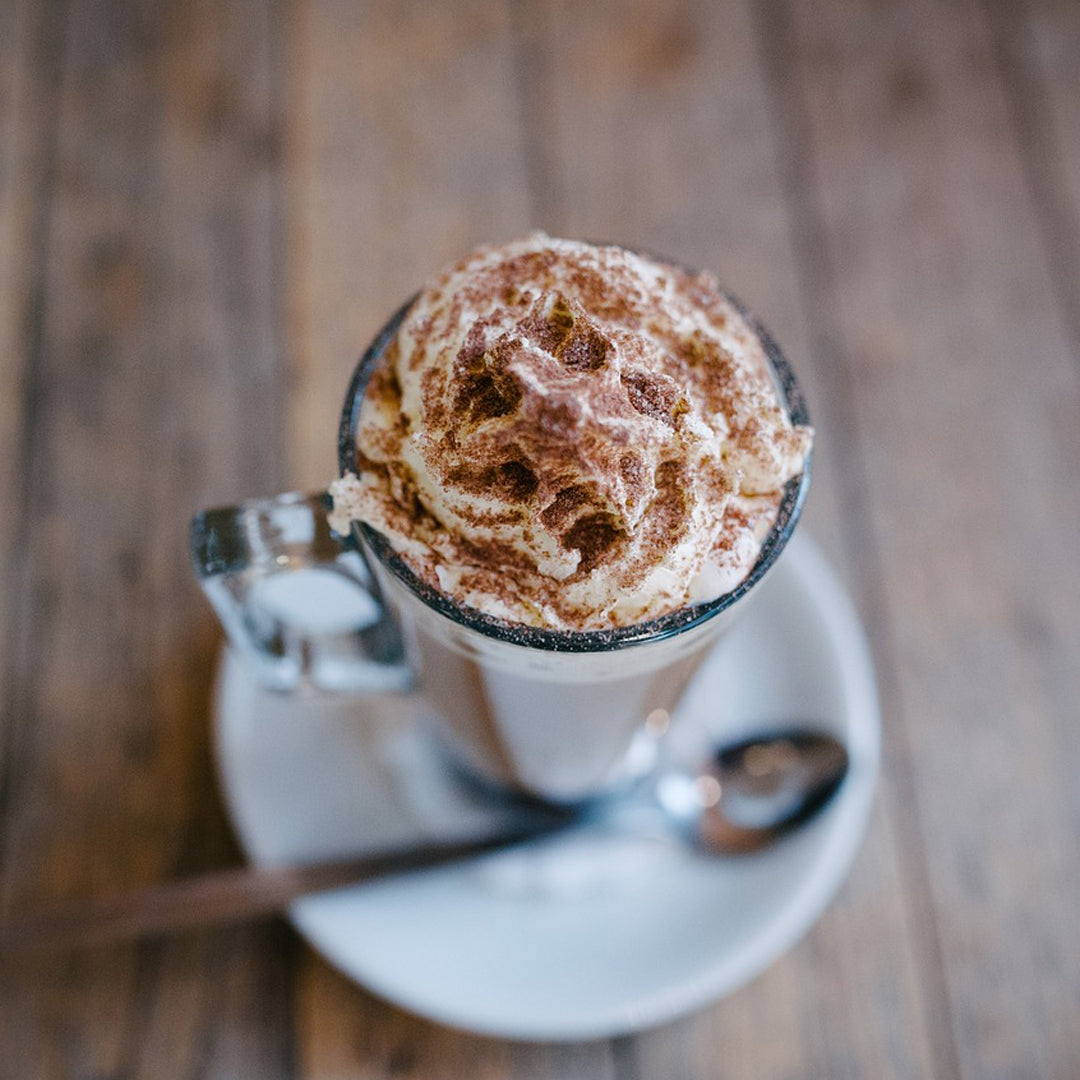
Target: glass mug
x=558 y=715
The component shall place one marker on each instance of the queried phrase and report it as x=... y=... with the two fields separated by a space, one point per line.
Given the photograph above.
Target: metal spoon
x=745 y=797
x=750 y=793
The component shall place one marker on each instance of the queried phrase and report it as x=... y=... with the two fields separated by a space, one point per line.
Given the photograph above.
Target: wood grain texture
x=29 y=70
x=153 y=351
x=24 y=134
x=207 y=210
x=968 y=397
x=1035 y=46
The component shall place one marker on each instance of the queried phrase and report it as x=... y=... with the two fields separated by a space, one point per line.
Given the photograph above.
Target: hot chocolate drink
x=573 y=437
x=563 y=469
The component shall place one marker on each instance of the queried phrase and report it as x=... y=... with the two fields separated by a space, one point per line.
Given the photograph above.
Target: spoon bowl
x=755 y=791
x=747 y=795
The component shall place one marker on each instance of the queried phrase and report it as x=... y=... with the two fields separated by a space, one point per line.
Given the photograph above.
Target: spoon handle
x=222 y=896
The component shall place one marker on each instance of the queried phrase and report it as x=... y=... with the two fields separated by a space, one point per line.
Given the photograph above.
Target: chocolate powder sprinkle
x=574 y=434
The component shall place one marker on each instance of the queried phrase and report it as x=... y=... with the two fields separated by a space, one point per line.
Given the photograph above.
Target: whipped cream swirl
x=573 y=437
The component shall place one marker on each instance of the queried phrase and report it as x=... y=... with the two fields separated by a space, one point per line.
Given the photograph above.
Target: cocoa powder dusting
x=571 y=432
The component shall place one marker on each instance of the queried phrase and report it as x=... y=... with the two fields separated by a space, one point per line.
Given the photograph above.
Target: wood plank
x=404 y=150
x=967 y=395
x=349 y=1032
x=158 y=360
x=23 y=145
x=669 y=138
x=29 y=66
x=1036 y=47
x=29 y=69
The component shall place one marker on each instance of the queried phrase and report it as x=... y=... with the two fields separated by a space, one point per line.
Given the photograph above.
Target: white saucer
x=591 y=934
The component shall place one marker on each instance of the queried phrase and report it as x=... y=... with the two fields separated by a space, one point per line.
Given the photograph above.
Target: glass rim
x=580 y=641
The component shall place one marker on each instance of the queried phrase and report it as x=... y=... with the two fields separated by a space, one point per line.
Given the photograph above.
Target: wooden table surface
x=207 y=209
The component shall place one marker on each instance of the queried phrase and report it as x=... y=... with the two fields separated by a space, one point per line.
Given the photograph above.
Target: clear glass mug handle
x=296 y=599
